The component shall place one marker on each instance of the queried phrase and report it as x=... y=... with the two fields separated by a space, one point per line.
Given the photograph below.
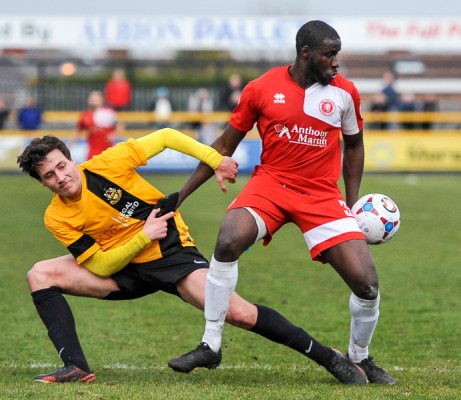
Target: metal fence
x=43 y=79
x=74 y=97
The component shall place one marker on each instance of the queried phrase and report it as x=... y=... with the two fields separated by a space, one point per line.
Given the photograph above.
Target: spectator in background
x=408 y=104
x=118 y=90
x=233 y=91
x=378 y=106
x=98 y=123
x=392 y=96
x=202 y=102
x=162 y=107
x=29 y=116
x=207 y=133
x=429 y=104
x=4 y=113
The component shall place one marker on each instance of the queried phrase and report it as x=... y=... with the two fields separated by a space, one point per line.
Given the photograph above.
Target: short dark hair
x=34 y=154
x=313 y=34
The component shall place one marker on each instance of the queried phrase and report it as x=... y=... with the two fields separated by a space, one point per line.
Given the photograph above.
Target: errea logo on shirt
x=279 y=98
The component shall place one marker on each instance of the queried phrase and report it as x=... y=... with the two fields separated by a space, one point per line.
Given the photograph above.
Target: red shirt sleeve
x=245 y=115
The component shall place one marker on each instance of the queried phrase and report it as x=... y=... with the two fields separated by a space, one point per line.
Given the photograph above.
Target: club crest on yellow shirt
x=113 y=195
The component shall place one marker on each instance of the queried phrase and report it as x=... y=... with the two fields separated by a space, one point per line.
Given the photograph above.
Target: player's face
x=61 y=175
x=95 y=99
x=323 y=64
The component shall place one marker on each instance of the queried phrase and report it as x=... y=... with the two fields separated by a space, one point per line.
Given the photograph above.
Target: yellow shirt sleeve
x=155 y=142
x=107 y=263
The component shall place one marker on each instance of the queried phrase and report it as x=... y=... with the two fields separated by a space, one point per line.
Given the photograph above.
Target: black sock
x=274 y=326
x=57 y=316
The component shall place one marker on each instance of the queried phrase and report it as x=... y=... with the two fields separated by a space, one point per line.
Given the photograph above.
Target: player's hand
x=168 y=203
x=227 y=171
x=156 y=227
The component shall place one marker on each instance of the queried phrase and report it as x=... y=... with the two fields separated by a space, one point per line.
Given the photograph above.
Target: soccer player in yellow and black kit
x=126 y=241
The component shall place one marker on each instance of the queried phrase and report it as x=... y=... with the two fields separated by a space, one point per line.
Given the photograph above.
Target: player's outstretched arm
x=156 y=142
x=226 y=171
x=225 y=145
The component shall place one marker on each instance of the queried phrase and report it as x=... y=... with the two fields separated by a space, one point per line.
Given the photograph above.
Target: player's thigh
x=71 y=277
x=238 y=232
x=354 y=263
x=265 y=197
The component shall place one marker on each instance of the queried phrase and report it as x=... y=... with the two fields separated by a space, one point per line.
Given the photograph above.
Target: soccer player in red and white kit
x=98 y=123
x=301 y=111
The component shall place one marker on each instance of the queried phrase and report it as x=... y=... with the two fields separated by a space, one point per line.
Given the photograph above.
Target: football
x=378 y=217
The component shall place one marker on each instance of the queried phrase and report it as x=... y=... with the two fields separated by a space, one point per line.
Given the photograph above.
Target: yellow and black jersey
x=114 y=204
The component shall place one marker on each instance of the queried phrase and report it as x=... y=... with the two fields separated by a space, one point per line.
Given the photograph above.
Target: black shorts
x=138 y=280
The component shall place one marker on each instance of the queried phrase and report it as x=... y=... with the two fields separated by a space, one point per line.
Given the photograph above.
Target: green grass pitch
x=128 y=344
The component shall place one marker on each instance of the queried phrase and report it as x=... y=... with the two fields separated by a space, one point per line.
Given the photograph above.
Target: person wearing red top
x=99 y=122
x=301 y=112
x=118 y=90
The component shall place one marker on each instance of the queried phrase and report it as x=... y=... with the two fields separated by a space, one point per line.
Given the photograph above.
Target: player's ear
x=305 y=50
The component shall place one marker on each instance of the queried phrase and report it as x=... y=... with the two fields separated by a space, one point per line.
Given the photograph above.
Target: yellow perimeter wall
x=413 y=151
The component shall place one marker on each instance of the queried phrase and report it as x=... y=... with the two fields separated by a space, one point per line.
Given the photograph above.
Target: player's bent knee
x=372 y=292
x=366 y=284
x=230 y=245
x=40 y=275
x=228 y=248
x=368 y=292
x=33 y=275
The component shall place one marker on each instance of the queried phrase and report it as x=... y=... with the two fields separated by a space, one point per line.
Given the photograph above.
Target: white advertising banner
x=156 y=34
